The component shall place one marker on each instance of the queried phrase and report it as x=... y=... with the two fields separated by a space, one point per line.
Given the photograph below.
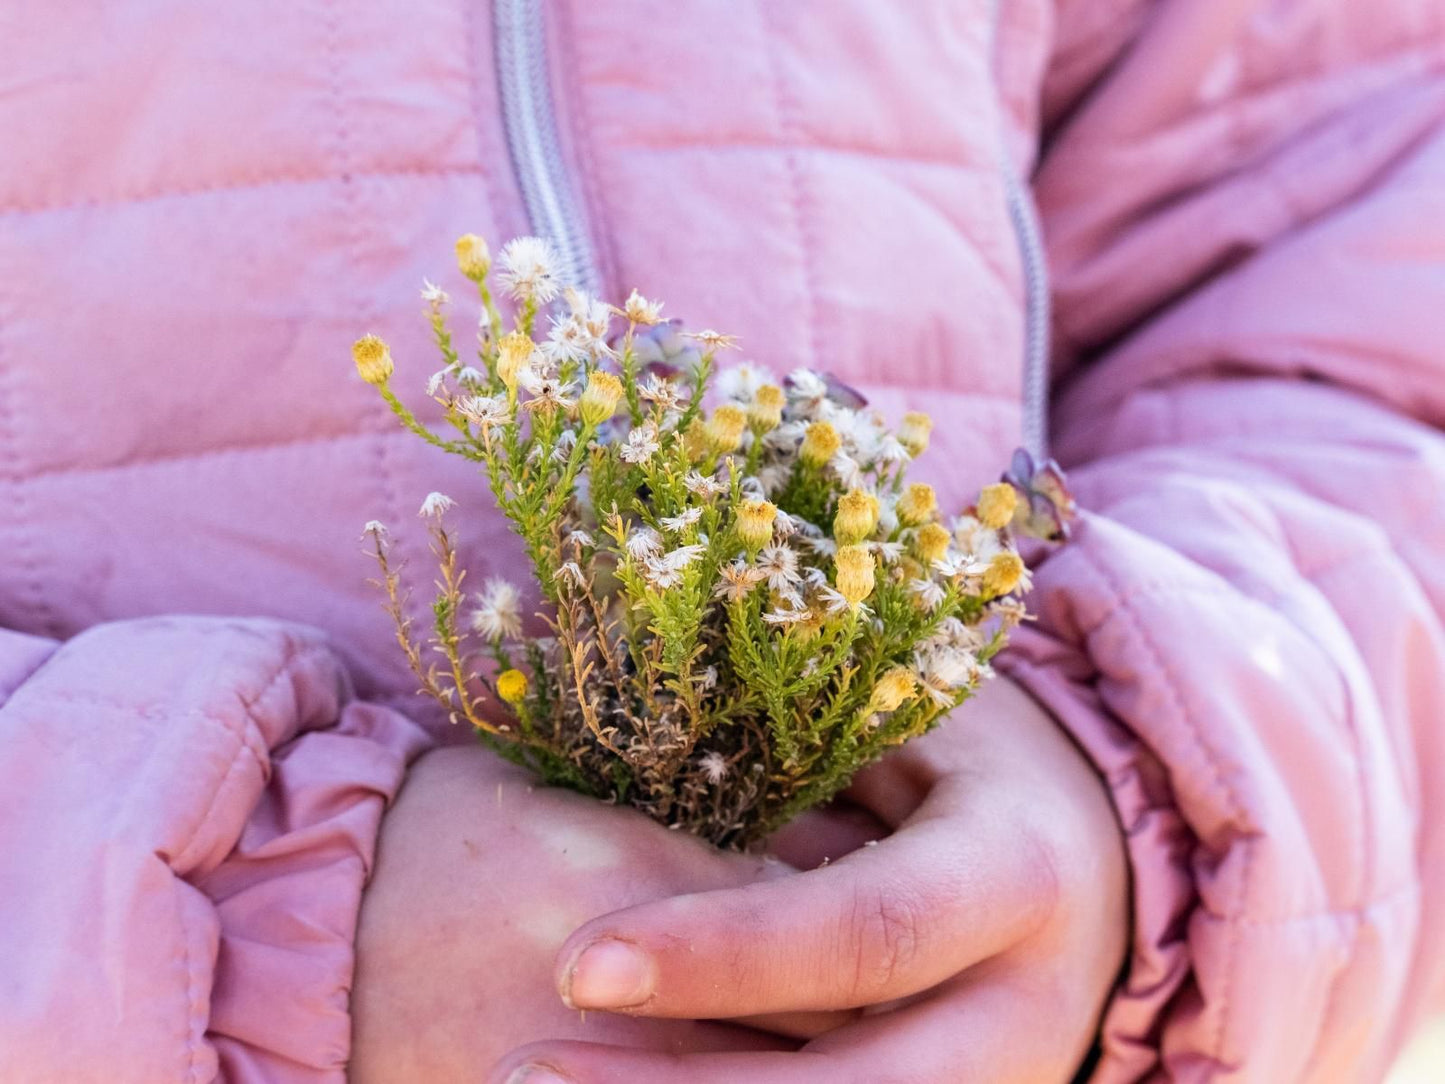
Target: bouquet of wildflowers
x=747 y=600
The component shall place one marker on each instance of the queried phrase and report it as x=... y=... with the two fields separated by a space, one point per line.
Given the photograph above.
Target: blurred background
x=1424 y=1061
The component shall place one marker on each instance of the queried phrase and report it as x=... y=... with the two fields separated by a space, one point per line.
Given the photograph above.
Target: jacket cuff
x=1157 y=839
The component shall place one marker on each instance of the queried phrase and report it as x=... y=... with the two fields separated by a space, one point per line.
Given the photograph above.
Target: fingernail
x=536 y=1074
x=609 y=975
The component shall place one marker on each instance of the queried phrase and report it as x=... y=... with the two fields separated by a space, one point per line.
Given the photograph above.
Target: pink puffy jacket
x=1242 y=203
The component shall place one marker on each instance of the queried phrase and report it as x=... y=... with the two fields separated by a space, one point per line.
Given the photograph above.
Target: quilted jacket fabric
x=1243 y=204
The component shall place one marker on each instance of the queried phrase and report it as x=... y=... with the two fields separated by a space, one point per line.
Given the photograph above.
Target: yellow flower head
x=914 y=432
x=1004 y=573
x=599 y=399
x=855 y=573
x=514 y=351
x=820 y=444
x=996 y=505
x=473 y=257
x=512 y=686
x=917 y=504
x=765 y=412
x=373 y=359
x=755 y=523
x=931 y=542
x=893 y=688
x=856 y=517
x=725 y=428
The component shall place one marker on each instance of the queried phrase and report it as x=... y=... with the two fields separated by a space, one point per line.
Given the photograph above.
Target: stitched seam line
x=128 y=199
x=785 y=110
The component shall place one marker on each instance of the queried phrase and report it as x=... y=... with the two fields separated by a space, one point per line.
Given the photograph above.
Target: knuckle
x=886 y=934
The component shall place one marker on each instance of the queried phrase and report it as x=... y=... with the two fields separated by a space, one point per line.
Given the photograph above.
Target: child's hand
x=479 y=879
x=990 y=925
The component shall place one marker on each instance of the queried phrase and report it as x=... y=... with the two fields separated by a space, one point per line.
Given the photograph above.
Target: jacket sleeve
x=1247 y=635
x=188 y=810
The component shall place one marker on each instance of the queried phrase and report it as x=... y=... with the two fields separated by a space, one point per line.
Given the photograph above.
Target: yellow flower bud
x=931 y=543
x=599 y=399
x=725 y=428
x=914 y=432
x=373 y=359
x=856 y=517
x=1004 y=573
x=820 y=444
x=996 y=505
x=893 y=688
x=765 y=412
x=917 y=504
x=473 y=257
x=755 y=523
x=512 y=686
x=514 y=351
x=855 y=573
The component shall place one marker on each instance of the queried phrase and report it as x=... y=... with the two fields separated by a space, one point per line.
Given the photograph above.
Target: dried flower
x=917 y=504
x=856 y=518
x=474 y=259
x=996 y=505
x=913 y=434
x=714 y=340
x=639 y=310
x=755 y=523
x=433 y=295
x=644 y=543
x=599 y=400
x=702 y=486
x=820 y=443
x=738 y=580
x=512 y=686
x=435 y=504
x=373 y=360
x=714 y=767
x=855 y=573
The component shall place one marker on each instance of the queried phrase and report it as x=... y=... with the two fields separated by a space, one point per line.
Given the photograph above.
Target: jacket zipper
x=525 y=88
x=1036 y=288
x=524 y=85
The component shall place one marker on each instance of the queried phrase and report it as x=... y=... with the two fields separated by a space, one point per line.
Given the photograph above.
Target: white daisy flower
x=580 y=538
x=641 y=444
x=890 y=553
x=433 y=294
x=683 y=520
x=779 y=563
x=643 y=543
x=787 y=617
x=739 y=383
x=833 y=601
x=930 y=592
x=806 y=385
x=485 y=411
x=470 y=374
x=528 y=269
x=375 y=527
